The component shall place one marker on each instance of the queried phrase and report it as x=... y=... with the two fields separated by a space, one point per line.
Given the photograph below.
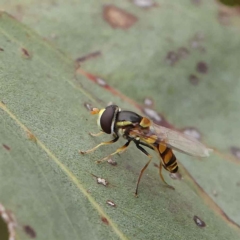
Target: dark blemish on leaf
x=1 y=49
x=223 y=18
x=112 y=162
x=25 y=53
x=118 y=18
x=29 y=231
x=199 y=222
x=193 y=79
x=32 y=137
x=182 y=52
x=202 y=67
x=238 y=184
x=155 y=165
x=171 y=58
x=235 y=151
x=192 y=132
x=6 y=147
x=88 y=56
x=148 y=102
x=111 y=203
x=176 y=176
x=3 y=102
x=145 y=3
x=197 y=2
x=104 y=220
x=88 y=106
x=128 y=167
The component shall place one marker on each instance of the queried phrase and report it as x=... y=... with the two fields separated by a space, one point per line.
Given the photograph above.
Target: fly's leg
x=119 y=150
x=161 y=176
x=144 y=168
x=96 y=134
x=99 y=145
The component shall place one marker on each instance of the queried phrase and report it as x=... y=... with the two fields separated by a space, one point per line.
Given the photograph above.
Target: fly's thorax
x=107 y=118
x=126 y=118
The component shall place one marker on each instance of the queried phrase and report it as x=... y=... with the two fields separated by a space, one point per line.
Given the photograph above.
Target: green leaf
x=49 y=186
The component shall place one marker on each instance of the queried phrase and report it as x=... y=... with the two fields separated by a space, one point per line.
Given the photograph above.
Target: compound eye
x=107 y=118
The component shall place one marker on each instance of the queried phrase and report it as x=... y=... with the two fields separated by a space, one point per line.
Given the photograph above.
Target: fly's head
x=107 y=118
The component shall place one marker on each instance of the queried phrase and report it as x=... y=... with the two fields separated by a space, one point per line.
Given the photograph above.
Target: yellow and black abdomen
x=168 y=158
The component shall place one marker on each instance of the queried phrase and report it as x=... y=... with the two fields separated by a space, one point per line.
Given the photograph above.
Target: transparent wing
x=177 y=140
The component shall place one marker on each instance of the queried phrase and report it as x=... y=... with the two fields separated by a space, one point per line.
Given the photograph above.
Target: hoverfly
x=143 y=132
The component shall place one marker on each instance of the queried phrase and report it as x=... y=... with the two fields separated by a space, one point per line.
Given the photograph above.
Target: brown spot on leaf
x=1 y=49
x=171 y=58
x=199 y=222
x=197 y=2
x=89 y=56
x=31 y=136
x=202 y=67
x=235 y=151
x=193 y=79
x=25 y=53
x=118 y=18
x=104 y=220
x=6 y=147
x=182 y=52
x=223 y=18
x=29 y=231
x=155 y=165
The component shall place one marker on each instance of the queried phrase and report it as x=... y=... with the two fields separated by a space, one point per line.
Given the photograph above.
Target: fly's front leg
x=101 y=144
x=119 y=150
x=161 y=176
x=96 y=134
x=144 y=168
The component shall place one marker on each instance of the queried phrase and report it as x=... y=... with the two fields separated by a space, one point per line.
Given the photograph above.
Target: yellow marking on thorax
x=151 y=139
x=124 y=123
x=145 y=122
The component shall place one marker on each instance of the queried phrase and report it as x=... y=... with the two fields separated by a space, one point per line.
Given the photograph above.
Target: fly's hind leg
x=119 y=150
x=161 y=176
x=99 y=145
x=144 y=168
